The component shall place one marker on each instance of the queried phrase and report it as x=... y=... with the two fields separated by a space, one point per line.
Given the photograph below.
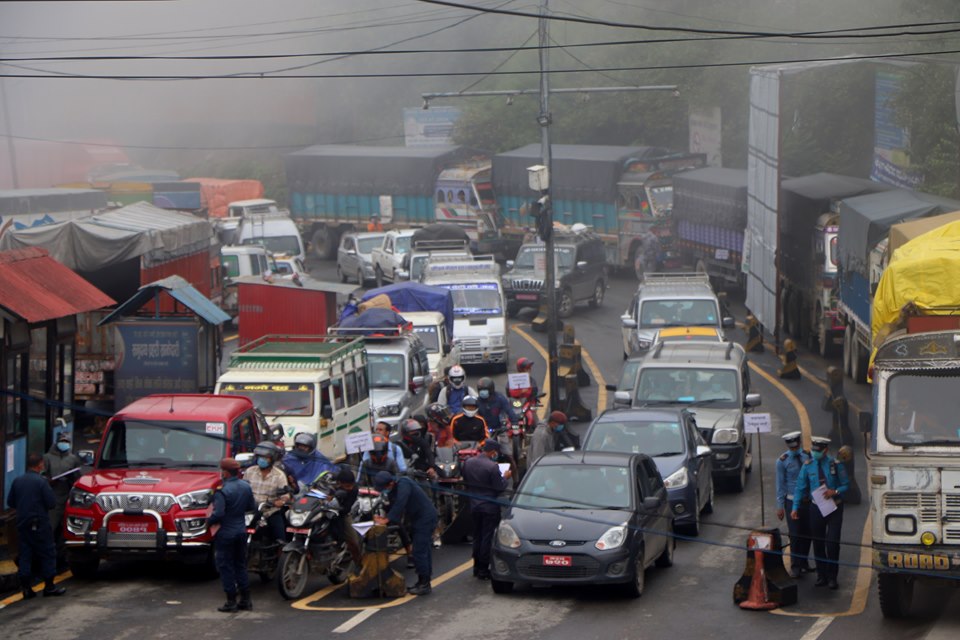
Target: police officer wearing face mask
x=493 y=405
x=825 y=471
x=788 y=468
x=61 y=468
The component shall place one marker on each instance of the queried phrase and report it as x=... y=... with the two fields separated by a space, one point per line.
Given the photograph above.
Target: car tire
x=378 y=276
x=501 y=587
x=635 y=587
x=708 y=506
x=565 y=304
x=739 y=482
x=665 y=559
x=341 y=276
x=598 y=291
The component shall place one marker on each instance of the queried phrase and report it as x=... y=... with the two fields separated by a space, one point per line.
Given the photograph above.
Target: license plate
x=557 y=561
x=293 y=530
x=123 y=526
x=527 y=296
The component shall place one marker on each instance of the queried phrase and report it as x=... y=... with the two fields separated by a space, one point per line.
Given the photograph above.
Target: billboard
x=706 y=134
x=155 y=357
x=429 y=127
x=891 y=162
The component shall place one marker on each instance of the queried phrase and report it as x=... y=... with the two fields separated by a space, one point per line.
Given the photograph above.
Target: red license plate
x=557 y=561
x=293 y=530
x=132 y=526
x=526 y=296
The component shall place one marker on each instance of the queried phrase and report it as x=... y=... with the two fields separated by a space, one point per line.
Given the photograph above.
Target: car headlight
x=612 y=538
x=389 y=410
x=725 y=436
x=507 y=537
x=81 y=498
x=903 y=525
x=677 y=479
x=297 y=518
x=644 y=343
x=195 y=499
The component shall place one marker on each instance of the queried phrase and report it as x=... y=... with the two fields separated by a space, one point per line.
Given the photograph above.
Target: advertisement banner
x=429 y=127
x=891 y=162
x=155 y=357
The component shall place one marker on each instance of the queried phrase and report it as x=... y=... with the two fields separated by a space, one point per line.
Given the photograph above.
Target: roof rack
x=294 y=352
x=438 y=245
x=675 y=278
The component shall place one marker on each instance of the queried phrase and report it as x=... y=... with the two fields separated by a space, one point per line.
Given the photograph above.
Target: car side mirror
x=568 y=449
x=650 y=503
x=582 y=264
x=703 y=450
x=621 y=399
x=327 y=412
x=752 y=400
x=86 y=455
x=509 y=264
x=418 y=382
x=628 y=322
x=727 y=322
x=866 y=421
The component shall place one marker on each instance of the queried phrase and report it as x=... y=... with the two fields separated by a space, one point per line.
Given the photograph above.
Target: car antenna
x=171 y=404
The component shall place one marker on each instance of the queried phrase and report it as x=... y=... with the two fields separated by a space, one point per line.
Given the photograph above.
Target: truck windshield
x=159 y=443
x=678 y=313
x=272 y=399
x=923 y=410
x=661 y=199
x=386 y=371
x=277 y=244
x=480 y=299
x=711 y=387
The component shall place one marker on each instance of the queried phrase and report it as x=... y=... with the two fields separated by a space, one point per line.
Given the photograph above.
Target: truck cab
x=464 y=196
x=237 y=210
x=442 y=350
x=316 y=384
x=151 y=487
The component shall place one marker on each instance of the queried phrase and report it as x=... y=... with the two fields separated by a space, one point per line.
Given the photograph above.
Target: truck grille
x=924 y=504
x=159 y=502
x=471 y=344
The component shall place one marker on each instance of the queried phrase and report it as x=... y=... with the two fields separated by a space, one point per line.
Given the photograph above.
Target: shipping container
x=284 y=307
x=216 y=194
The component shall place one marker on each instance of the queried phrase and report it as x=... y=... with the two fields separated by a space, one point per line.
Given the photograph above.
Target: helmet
x=457 y=376
x=326 y=480
x=486 y=383
x=304 y=438
x=438 y=413
x=380 y=446
x=524 y=364
x=471 y=402
x=268 y=450
x=411 y=428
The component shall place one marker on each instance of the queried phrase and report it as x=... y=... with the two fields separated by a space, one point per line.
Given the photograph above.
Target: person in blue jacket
x=788 y=469
x=304 y=463
x=825 y=471
x=494 y=404
x=231 y=502
x=408 y=501
x=33 y=498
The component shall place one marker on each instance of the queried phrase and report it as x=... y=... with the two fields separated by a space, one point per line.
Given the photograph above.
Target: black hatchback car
x=585 y=518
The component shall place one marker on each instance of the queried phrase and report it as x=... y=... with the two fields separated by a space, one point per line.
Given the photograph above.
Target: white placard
x=722 y=254
x=757 y=423
x=362 y=527
x=518 y=381
x=358 y=442
x=11 y=460
x=504 y=467
x=825 y=504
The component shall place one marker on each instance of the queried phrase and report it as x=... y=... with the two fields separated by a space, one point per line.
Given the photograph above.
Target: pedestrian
x=484 y=484
x=270 y=486
x=433 y=391
x=823 y=471
x=231 y=502
x=62 y=467
x=544 y=438
x=374 y=224
x=407 y=500
x=788 y=468
x=33 y=498
x=469 y=426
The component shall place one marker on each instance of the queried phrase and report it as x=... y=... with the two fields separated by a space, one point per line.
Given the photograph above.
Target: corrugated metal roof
x=36 y=287
x=180 y=290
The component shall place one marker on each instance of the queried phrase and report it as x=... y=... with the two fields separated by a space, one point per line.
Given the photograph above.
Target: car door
x=345 y=259
x=702 y=466
x=629 y=335
x=645 y=519
x=661 y=519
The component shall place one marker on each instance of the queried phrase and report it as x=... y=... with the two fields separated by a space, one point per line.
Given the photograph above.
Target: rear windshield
x=654 y=438
x=134 y=443
x=369 y=244
x=678 y=313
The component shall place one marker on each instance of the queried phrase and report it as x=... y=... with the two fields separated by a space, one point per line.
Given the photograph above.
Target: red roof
x=36 y=287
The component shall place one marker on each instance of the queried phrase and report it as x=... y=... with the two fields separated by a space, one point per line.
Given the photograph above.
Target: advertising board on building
x=155 y=357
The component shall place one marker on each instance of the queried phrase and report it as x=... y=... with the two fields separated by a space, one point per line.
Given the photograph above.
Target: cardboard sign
x=518 y=381
x=359 y=442
x=757 y=423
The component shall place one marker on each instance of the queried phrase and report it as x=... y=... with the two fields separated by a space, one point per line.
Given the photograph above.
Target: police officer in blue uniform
x=788 y=468
x=231 y=502
x=33 y=498
x=825 y=471
x=409 y=502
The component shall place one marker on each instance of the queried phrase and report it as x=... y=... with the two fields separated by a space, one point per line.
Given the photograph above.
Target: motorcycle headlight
x=297 y=518
x=389 y=410
x=677 y=479
x=725 y=436
x=507 y=537
x=195 y=499
x=81 y=498
x=612 y=538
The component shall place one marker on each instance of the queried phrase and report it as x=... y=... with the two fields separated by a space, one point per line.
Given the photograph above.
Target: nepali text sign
x=155 y=357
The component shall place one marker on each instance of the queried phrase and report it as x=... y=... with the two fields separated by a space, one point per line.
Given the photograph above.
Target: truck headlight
x=82 y=499
x=725 y=436
x=677 y=479
x=195 y=499
x=901 y=525
x=497 y=341
x=389 y=410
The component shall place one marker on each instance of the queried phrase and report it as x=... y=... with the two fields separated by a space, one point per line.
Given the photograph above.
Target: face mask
x=469 y=412
x=263 y=463
x=817 y=455
x=484 y=394
x=560 y=427
x=63 y=447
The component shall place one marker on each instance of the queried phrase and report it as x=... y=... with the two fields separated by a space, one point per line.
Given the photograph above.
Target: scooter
x=526 y=407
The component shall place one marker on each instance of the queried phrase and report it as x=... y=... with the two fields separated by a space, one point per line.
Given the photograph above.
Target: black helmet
x=304 y=438
x=439 y=413
x=411 y=428
x=268 y=450
x=486 y=383
x=380 y=445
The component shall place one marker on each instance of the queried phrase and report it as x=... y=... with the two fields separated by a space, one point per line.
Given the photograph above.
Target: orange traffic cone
x=758 y=598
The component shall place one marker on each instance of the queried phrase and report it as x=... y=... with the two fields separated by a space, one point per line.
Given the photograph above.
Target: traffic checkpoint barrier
x=790 y=368
x=765 y=583
x=572 y=375
x=539 y=323
x=754 y=336
x=376 y=576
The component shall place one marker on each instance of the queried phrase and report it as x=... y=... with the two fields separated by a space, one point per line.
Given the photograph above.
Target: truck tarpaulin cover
x=373 y=171
x=580 y=172
x=713 y=196
x=923 y=272
x=216 y=194
x=411 y=296
x=25 y=201
x=440 y=231
x=804 y=199
x=372 y=322
x=865 y=220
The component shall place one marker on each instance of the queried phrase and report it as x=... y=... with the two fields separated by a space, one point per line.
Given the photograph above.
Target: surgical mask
x=263 y=463
x=63 y=447
x=817 y=455
x=469 y=412
x=484 y=394
x=560 y=427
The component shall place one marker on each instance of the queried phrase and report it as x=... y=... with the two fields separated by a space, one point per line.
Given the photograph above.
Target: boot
x=422 y=587
x=230 y=606
x=50 y=589
x=410 y=563
x=245 y=604
x=26 y=588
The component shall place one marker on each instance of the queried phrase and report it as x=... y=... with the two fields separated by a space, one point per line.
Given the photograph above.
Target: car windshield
x=284 y=399
x=534 y=256
x=428 y=334
x=922 y=410
x=678 y=313
x=132 y=443
x=402 y=244
x=278 y=244
x=368 y=244
x=574 y=486
x=654 y=438
x=385 y=371
x=710 y=387
x=480 y=299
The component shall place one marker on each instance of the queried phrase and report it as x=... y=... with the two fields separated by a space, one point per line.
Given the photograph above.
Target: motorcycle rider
x=304 y=463
x=414 y=443
x=378 y=460
x=268 y=483
x=346 y=492
x=493 y=404
x=438 y=424
x=452 y=394
x=469 y=425
x=525 y=365
x=393 y=449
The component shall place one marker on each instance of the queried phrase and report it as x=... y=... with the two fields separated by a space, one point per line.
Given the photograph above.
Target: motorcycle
x=313 y=547
x=526 y=407
x=263 y=551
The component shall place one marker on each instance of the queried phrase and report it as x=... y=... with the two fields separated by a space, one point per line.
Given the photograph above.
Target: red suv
x=151 y=487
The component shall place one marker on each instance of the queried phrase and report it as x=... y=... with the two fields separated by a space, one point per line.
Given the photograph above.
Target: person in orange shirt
x=374 y=224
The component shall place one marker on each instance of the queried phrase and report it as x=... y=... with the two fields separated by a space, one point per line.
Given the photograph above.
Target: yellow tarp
x=902 y=233
x=926 y=272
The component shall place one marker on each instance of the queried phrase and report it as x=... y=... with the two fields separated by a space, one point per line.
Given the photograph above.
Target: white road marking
x=818 y=628
x=355 y=620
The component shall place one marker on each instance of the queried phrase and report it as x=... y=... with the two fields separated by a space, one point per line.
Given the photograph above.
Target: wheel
x=292 y=575
x=896 y=595
x=84 y=567
x=635 y=587
x=341 y=276
x=360 y=279
x=598 y=291
x=858 y=363
x=665 y=559
x=379 y=275
x=708 y=507
x=322 y=243
x=342 y=567
x=565 y=305
x=512 y=310
x=501 y=587
x=692 y=529
x=847 y=350
x=739 y=483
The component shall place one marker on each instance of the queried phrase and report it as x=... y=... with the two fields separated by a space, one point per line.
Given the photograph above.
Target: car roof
x=190 y=407
x=700 y=352
x=605 y=458
x=668 y=291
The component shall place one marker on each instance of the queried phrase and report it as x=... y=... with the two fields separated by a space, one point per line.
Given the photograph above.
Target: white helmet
x=457 y=376
x=470 y=406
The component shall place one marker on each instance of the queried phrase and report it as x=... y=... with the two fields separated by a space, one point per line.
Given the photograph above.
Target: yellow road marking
x=542 y=411
x=598 y=378
x=304 y=603
x=233 y=337
x=802 y=414
x=36 y=588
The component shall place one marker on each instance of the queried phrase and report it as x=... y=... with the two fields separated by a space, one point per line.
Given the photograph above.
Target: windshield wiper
x=668 y=453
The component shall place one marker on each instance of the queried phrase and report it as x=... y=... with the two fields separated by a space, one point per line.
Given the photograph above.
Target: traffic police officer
x=230 y=503
x=484 y=484
x=407 y=500
x=788 y=468
x=824 y=471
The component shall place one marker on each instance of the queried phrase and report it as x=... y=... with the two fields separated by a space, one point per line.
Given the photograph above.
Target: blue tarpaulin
x=411 y=296
x=372 y=321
